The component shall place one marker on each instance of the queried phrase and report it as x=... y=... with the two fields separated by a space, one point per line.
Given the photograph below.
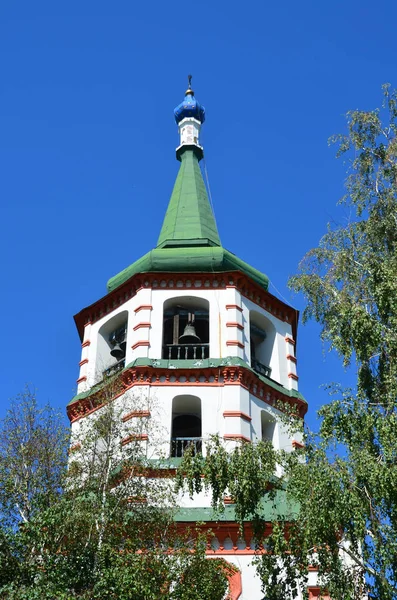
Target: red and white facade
x=229 y=383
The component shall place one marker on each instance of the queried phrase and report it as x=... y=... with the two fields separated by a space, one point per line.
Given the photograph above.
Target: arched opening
x=186 y=329
x=112 y=343
x=268 y=427
x=186 y=425
x=262 y=337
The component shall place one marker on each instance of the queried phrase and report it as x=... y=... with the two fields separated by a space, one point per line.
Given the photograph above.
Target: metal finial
x=189 y=91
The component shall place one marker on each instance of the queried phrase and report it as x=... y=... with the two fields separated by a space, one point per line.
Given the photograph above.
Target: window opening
x=186 y=426
x=258 y=337
x=118 y=344
x=186 y=333
x=112 y=346
x=268 y=426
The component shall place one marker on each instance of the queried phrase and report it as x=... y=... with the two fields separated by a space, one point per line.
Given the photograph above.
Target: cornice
x=182 y=377
x=187 y=281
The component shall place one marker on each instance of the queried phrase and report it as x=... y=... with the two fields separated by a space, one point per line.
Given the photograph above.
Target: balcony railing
x=118 y=366
x=179 y=445
x=186 y=351
x=260 y=368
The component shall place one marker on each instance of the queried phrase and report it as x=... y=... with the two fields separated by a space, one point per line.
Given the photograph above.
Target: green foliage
x=345 y=479
x=94 y=528
x=243 y=473
x=33 y=457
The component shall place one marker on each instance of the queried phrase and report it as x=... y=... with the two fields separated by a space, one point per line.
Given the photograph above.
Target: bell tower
x=197 y=326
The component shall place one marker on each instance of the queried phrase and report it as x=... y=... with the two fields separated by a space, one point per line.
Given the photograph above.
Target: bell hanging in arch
x=117 y=352
x=189 y=336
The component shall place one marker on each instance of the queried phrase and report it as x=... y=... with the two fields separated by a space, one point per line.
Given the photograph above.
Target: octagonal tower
x=196 y=327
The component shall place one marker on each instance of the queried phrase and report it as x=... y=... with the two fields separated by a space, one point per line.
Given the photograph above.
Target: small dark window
x=186 y=425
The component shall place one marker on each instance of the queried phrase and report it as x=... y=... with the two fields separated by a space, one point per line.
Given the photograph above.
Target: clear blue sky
x=87 y=139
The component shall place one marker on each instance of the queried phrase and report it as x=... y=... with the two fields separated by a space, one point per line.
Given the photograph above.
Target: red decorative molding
x=235 y=343
x=228 y=500
x=172 y=281
x=85 y=344
x=236 y=436
x=83 y=362
x=89 y=322
x=296 y=444
x=143 y=307
x=315 y=594
x=81 y=379
x=205 y=377
x=74 y=448
x=237 y=413
x=235 y=324
x=235 y=586
x=137 y=437
x=137 y=499
x=235 y=306
x=291 y=358
x=289 y=340
x=140 y=343
x=141 y=325
x=136 y=413
x=223 y=530
x=293 y=376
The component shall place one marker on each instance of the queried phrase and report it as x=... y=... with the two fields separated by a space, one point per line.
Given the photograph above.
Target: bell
x=117 y=352
x=189 y=336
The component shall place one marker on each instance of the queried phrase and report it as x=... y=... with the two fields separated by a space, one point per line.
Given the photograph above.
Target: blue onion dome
x=189 y=107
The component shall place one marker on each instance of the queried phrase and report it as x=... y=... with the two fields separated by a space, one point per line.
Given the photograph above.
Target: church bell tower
x=197 y=327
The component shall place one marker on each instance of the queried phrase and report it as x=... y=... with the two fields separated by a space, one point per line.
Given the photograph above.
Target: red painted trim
x=81 y=379
x=296 y=444
x=235 y=343
x=235 y=586
x=136 y=413
x=293 y=376
x=85 y=344
x=237 y=413
x=235 y=324
x=137 y=437
x=230 y=306
x=75 y=447
x=228 y=500
x=83 y=362
x=205 y=377
x=236 y=436
x=291 y=358
x=140 y=343
x=87 y=323
x=229 y=530
x=315 y=593
x=141 y=325
x=289 y=340
x=137 y=499
x=143 y=307
x=172 y=281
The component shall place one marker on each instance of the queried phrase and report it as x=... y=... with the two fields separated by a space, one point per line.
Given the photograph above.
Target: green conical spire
x=189 y=220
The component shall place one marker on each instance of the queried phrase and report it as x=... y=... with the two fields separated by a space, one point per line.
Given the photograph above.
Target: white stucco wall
x=229 y=324
x=229 y=335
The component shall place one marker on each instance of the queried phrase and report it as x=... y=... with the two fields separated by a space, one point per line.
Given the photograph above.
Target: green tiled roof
x=189 y=240
x=274 y=506
x=205 y=259
x=189 y=220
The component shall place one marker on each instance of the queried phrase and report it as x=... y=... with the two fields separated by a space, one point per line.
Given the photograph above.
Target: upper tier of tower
x=189 y=283
x=189 y=240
